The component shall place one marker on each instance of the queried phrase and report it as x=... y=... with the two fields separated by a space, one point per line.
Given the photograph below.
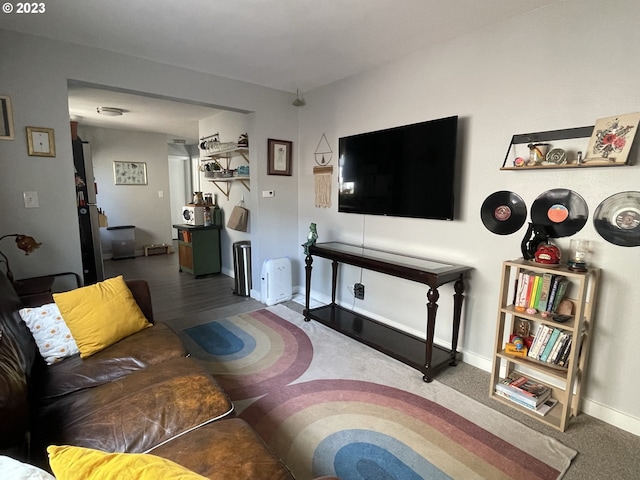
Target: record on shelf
x=617 y=219
x=503 y=212
x=561 y=211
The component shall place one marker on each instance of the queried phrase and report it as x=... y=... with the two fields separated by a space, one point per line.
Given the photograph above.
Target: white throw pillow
x=15 y=470
x=49 y=330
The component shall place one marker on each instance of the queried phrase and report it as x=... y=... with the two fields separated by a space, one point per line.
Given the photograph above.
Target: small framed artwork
x=41 y=142
x=6 y=118
x=611 y=140
x=522 y=328
x=130 y=173
x=279 y=158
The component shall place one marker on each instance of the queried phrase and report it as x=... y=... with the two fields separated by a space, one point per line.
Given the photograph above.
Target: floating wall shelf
x=572 y=140
x=224 y=183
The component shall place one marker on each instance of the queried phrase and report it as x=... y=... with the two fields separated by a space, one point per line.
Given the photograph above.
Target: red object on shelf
x=527 y=340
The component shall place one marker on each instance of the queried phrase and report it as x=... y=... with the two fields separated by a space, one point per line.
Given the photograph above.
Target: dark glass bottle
x=216 y=214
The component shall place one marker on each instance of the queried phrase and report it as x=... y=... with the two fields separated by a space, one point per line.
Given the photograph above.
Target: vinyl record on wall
x=561 y=211
x=617 y=219
x=503 y=212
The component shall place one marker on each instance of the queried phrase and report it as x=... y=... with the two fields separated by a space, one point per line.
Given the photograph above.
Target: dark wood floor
x=175 y=294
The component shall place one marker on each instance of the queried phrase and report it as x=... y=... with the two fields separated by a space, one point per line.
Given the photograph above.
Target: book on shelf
x=553 y=289
x=540 y=341
x=514 y=399
x=517 y=289
x=544 y=292
x=536 y=341
x=529 y=387
x=555 y=333
x=535 y=292
x=545 y=340
x=541 y=409
x=546 y=406
x=540 y=291
x=550 y=345
x=525 y=390
x=564 y=356
x=560 y=294
x=522 y=291
x=557 y=347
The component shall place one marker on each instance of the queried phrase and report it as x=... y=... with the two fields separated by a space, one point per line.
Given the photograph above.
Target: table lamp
x=24 y=243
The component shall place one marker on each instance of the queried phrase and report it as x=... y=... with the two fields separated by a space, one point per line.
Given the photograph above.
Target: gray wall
x=138 y=205
x=34 y=72
x=562 y=66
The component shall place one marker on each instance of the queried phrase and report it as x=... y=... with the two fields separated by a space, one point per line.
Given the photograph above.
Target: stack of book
x=526 y=393
x=542 y=291
x=551 y=345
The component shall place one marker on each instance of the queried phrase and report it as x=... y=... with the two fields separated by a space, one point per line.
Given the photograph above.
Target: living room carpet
x=328 y=405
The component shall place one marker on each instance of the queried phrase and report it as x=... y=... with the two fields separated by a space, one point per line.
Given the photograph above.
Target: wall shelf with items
x=568 y=147
x=561 y=373
x=223 y=160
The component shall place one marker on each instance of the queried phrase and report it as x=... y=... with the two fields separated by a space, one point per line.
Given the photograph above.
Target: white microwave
x=193 y=215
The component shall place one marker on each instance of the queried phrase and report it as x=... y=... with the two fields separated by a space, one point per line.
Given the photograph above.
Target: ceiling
x=282 y=44
x=177 y=120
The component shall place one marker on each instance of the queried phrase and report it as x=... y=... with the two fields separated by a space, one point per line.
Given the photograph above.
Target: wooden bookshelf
x=565 y=381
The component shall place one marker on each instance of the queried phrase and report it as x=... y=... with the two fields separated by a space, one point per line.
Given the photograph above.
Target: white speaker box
x=276 y=281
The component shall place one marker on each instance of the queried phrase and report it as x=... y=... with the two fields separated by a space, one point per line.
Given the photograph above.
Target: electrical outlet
x=358 y=291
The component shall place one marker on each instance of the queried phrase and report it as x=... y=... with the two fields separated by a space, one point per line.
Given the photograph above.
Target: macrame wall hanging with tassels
x=322 y=181
x=323 y=174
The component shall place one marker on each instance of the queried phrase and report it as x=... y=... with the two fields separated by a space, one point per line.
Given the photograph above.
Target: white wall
x=274 y=216
x=138 y=205
x=179 y=171
x=562 y=66
x=34 y=72
x=273 y=228
x=230 y=125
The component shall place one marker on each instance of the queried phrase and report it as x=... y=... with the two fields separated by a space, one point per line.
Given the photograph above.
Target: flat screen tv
x=406 y=171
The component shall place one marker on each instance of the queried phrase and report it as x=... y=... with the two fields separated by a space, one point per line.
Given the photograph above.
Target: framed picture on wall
x=279 y=158
x=6 y=118
x=41 y=142
x=130 y=173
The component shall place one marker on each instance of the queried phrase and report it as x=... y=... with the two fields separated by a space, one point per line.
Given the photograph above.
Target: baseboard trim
x=592 y=408
x=611 y=416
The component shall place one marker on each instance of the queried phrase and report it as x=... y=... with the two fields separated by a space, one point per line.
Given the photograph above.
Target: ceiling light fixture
x=298 y=102
x=110 y=111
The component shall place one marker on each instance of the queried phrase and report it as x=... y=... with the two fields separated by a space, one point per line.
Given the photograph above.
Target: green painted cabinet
x=199 y=249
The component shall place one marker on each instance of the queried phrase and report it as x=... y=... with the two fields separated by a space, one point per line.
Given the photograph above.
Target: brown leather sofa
x=141 y=395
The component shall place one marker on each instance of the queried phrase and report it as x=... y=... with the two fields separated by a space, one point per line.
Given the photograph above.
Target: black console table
x=416 y=352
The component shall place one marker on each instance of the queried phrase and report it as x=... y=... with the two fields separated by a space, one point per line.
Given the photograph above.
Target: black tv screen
x=406 y=171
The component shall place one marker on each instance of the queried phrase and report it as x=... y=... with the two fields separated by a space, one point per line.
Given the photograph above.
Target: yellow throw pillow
x=78 y=463
x=99 y=315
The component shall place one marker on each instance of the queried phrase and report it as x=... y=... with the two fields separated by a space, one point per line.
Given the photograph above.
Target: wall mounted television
x=406 y=171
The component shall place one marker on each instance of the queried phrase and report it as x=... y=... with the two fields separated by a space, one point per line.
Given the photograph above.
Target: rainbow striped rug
x=328 y=405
